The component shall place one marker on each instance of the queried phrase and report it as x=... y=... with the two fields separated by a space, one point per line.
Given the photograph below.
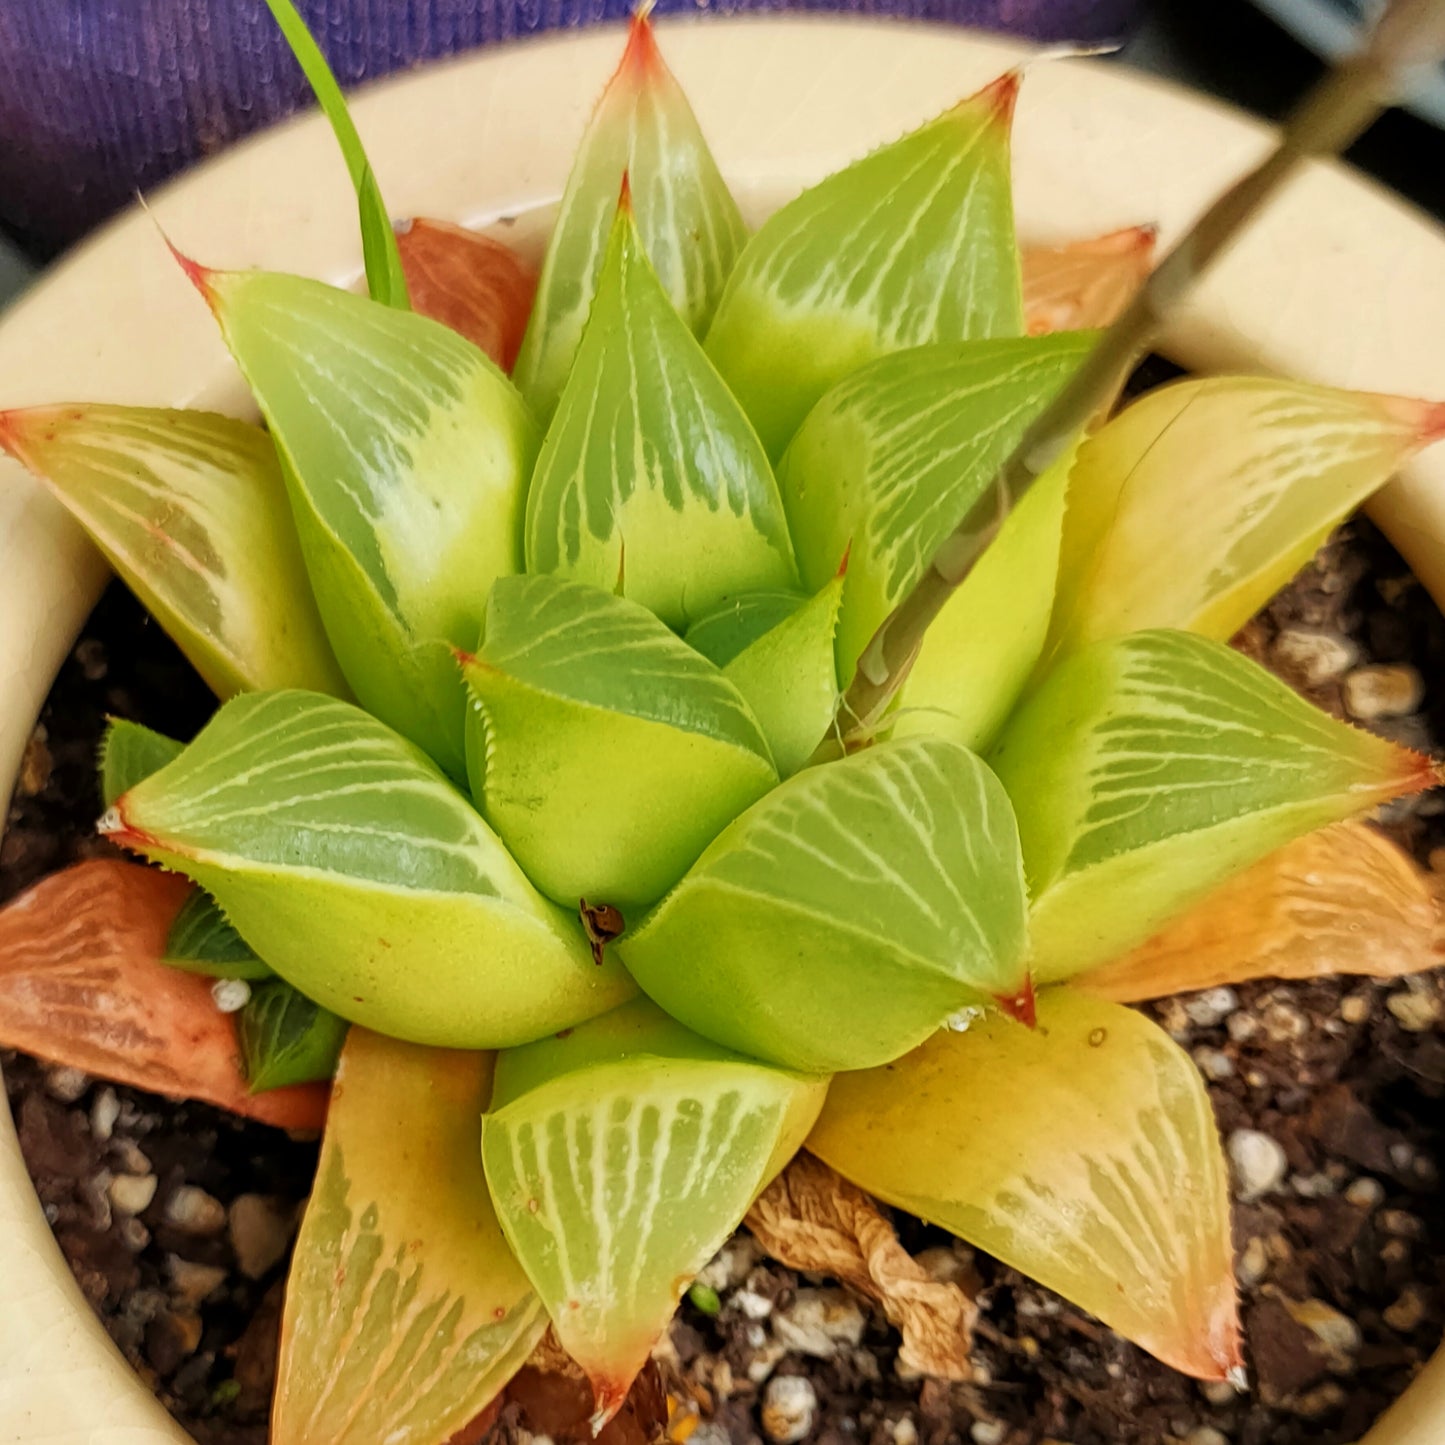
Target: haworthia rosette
x=651 y=481
x=406 y=1314
x=406 y=453
x=613 y=752
x=1149 y=768
x=1083 y=1152
x=190 y=509
x=912 y=244
x=620 y=1158
x=351 y=865
x=689 y=224
x=844 y=917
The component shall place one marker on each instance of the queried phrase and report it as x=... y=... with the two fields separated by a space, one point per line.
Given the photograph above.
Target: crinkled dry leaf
x=810 y=1218
x=1084 y=283
x=475 y=285
x=1342 y=900
x=82 y=983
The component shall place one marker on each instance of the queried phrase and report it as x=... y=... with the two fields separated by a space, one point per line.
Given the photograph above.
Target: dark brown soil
x=1342 y=1266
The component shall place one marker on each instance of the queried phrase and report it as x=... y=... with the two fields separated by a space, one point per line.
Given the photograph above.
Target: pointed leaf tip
x=1001 y=95
x=198 y=275
x=113 y=825
x=624 y=195
x=641 y=59
x=1020 y=1006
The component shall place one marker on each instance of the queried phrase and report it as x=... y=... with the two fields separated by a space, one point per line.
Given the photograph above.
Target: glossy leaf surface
x=1083 y=1152
x=890 y=460
x=384 y=276
x=840 y=920
x=614 y=752
x=1342 y=900
x=405 y=1313
x=201 y=940
x=912 y=244
x=350 y=864
x=1084 y=283
x=690 y=226
x=477 y=286
x=407 y=454
x=1147 y=769
x=190 y=509
x=287 y=1039
x=652 y=482
x=130 y=752
x=1200 y=501
x=82 y=983
x=620 y=1158
x=790 y=680
x=739 y=621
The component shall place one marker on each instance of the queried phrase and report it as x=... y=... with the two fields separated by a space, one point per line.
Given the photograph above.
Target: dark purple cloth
x=99 y=98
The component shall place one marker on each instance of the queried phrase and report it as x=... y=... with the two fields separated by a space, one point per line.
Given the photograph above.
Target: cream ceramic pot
x=1341 y=283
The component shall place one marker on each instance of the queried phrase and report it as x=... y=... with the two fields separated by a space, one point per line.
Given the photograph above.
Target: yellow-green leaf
x=406 y=1313
x=1149 y=768
x=651 y=482
x=1196 y=504
x=912 y=244
x=1083 y=1153
x=620 y=1158
x=690 y=225
x=191 y=510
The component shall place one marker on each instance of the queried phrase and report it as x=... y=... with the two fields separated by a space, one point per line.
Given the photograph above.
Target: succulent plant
x=518 y=770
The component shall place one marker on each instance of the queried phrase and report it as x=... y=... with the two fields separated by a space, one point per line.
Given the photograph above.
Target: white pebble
x=1365 y=1193
x=1312 y=1186
x=819 y=1322
x=104 y=1111
x=1214 y=1064
x=1206 y=1435
x=260 y=1233
x=66 y=1084
x=132 y=1193
x=1316 y=657
x=1383 y=691
x=1417 y=1012
x=193 y=1211
x=1259 y=1163
x=231 y=995
x=1355 y=1008
x=1210 y=1007
x=1339 y=1334
x=905 y=1432
x=731 y=1265
x=988 y=1432
x=753 y=1305
x=789 y=1405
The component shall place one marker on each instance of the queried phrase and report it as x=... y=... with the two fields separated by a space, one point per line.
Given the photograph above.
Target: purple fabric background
x=101 y=97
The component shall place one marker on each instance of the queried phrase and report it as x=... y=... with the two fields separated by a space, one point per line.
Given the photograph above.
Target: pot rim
x=1331 y=286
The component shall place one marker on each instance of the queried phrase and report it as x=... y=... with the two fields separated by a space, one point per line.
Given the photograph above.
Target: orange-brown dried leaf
x=1342 y=900
x=477 y=286
x=810 y=1218
x=1084 y=283
x=82 y=983
x=556 y=1401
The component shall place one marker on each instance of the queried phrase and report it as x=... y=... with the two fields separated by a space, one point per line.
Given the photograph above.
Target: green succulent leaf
x=190 y=509
x=406 y=1313
x=406 y=453
x=287 y=1039
x=979 y=651
x=1147 y=769
x=1196 y=504
x=844 y=917
x=910 y=245
x=348 y=862
x=620 y=1158
x=614 y=752
x=691 y=229
x=790 y=679
x=651 y=481
x=202 y=941
x=891 y=458
x=384 y=277
x=1083 y=1153
x=129 y=753
x=738 y=622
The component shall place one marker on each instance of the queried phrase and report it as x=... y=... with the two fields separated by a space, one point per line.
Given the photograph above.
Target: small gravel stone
x=1242 y=1027
x=1355 y=1008
x=1401 y=1223
x=1259 y=1163
x=1339 y=1334
x=789 y=1405
x=1366 y=1193
x=1407 y=1312
x=1219 y=1392
x=1211 y=1007
x=1206 y=1435
x=753 y=1305
x=1312 y=1186
x=1214 y=1064
x=193 y=1211
x=260 y=1233
x=988 y=1432
x=1417 y=1012
x=66 y=1084
x=904 y=1431
x=104 y=1111
x=764 y=1358
x=191 y=1283
x=1284 y=1023
x=731 y=1265
x=231 y=994
x=1383 y=691
x=1314 y=657
x=819 y=1322
x=132 y=1193
x=1253 y=1262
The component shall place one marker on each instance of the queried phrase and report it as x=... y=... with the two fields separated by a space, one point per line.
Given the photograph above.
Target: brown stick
x=1410 y=34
